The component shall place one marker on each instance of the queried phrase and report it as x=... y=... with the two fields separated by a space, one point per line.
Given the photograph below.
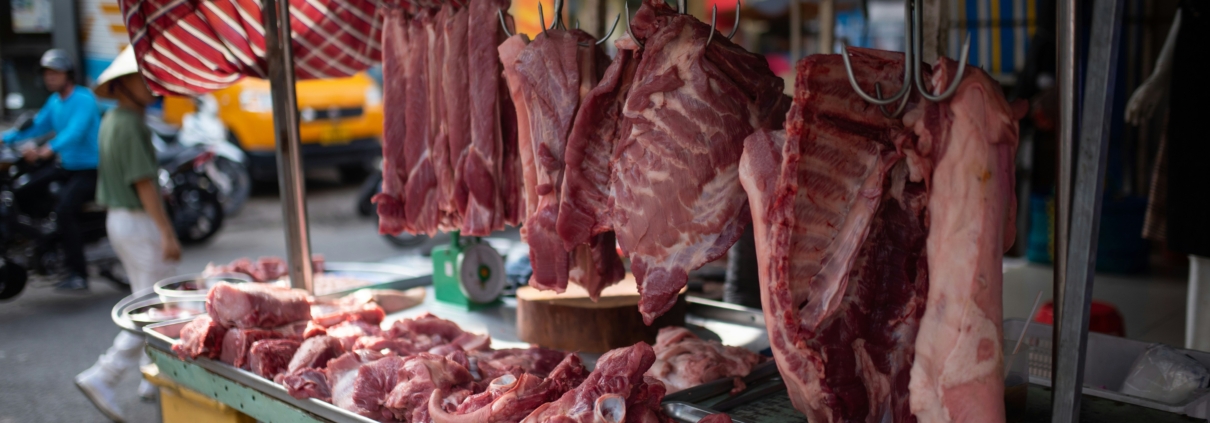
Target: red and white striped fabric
x=190 y=47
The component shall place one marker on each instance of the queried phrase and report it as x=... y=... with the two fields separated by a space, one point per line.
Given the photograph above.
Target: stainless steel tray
x=764 y=400
x=161 y=336
x=380 y=276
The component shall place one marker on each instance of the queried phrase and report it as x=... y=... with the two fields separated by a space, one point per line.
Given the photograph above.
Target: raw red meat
x=420 y=204
x=419 y=376
x=850 y=209
x=716 y=418
x=677 y=199
x=392 y=218
x=341 y=375
x=271 y=357
x=264 y=269
x=331 y=315
x=377 y=343
x=510 y=398
x=537 y=360
x=456 y=90
x=615 y=391
x=307 y=383
x=481 y=169
x=250 y=305
x=427 y=331
x=237 y=342
x=314 y=353
x=201 y=337
x=682 y=360
x=349 y=332
x=509 y=50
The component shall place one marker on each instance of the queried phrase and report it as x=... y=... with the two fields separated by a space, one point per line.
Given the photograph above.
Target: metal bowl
x=194 y=286
x=135 y=312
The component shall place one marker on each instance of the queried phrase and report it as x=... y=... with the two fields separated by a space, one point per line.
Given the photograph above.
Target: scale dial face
x=481 y=273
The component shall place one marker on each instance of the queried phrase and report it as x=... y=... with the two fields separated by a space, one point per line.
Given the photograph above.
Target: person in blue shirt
x=73 y=115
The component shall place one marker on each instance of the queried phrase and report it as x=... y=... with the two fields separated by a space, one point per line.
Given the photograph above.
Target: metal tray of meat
x=161 y=336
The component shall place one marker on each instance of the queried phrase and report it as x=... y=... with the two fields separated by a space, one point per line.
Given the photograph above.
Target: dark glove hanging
x=742 y=286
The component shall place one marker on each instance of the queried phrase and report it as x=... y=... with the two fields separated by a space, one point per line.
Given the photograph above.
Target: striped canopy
x=190 y=47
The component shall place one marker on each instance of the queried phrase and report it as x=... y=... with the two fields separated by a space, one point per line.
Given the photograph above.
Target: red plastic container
x=1102 y=318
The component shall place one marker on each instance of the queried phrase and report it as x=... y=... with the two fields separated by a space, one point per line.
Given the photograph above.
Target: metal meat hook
x=714 y=16
x=911 y=56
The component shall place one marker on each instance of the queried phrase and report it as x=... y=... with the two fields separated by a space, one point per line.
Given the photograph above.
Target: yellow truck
x=340 y=123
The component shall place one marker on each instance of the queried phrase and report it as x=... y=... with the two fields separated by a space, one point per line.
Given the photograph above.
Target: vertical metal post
x=1066 y=70
x=1086 y=208
x=285 y=125
x=827 y=26
x=795 y=31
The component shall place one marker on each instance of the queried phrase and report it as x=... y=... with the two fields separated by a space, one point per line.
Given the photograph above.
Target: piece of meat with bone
x=252 y=305
x=510 y=398
x=682 y=360
x=419 y=376
x=271 y=357
x=392 y=218
x=201 y=337
x=342 y=374
x=539 y=361
x=348 y=333
x=314 y=353
x=610 y=392
x=307 y=383
x=677 y=199
x=843 y=203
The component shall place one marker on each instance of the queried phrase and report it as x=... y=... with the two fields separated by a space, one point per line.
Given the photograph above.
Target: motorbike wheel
x=197 y=214
x=240 y=185
x=12 y=280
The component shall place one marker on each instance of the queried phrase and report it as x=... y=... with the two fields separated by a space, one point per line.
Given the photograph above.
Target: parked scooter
x=365 y=207
x=28 y=231
x=204 y=128
x=191 y=197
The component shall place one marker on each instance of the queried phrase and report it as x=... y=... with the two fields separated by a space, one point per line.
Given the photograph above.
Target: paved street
x=47 y=337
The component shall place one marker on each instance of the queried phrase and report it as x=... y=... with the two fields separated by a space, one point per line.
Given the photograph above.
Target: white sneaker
x=96 y=386
x=147 y=391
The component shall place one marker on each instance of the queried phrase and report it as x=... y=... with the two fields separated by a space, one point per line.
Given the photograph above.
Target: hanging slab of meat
x=439 y=144
x=252 y=305
x=421 y=204
x=481 y=170
x=615 y=391
x=843 y=202
x=678 y=203
x=958 y=373
x=509 y=398
x=509 y=50
x=682 y=360
x=271 y=357
x=456 y=90
x=201 y=337
x=391 y=215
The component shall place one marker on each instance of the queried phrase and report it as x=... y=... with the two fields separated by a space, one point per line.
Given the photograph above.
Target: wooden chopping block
x=572 y=322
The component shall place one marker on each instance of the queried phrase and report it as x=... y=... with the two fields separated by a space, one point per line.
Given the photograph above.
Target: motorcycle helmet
x=57 y=59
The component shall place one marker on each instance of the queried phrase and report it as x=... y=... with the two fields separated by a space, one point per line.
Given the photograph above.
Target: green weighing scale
x=468 y=273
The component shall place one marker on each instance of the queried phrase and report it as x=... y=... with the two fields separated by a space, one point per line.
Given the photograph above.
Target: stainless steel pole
x=827 y=26
x=1086 y=208
x=795 y=31
x=285 y=125
x=1067 y=129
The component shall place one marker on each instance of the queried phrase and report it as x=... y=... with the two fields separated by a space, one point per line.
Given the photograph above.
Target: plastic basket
x=1106 y=363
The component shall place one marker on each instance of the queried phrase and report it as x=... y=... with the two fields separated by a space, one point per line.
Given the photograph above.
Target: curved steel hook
x=735 y=26
x=541 y=17
x=714 y=20
x=626 y=7
x=611 y=29
x=713 y=16
x=503 y=25
x=908 y=57
x=902 y=103
x=966 y=49
x=558 y=23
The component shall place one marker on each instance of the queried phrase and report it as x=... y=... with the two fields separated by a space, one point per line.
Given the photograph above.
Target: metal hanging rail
x=285 y=125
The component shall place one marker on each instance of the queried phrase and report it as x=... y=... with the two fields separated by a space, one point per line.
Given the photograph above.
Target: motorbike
x=365 y=207
x=203 y=128
x=28 y=231
x=190 y=197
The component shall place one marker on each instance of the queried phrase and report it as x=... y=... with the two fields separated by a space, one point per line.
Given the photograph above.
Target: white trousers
x=136 y=240
x=1197 y=311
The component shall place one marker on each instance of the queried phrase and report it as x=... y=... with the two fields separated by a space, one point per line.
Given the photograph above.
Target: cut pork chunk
x=341 y=376
x=495 y=363
x=677 y=201
x=682 y=360
x=314 y=353
x=326 y=316
x=201 y=337
x=846 y=205
x=418 y=377
x=509 y=398
x=237 y=342
x=271 y=357
x=252 y=305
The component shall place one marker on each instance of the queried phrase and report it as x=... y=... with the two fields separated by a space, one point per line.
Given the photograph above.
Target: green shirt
x=127 y=156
